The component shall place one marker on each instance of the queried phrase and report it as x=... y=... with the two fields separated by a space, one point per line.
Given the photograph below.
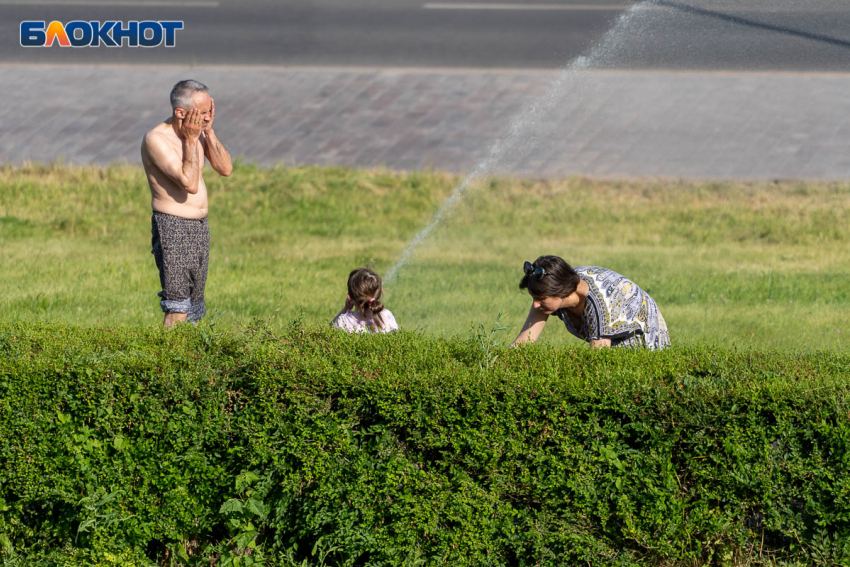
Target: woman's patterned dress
x=617 y=309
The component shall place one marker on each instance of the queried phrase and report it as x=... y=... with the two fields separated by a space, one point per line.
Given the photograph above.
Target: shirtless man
x=173 y=156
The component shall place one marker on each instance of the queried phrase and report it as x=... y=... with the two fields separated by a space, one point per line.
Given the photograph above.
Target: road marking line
x=378 y=70
x=644 y=5
x=118 y=3
x=481 y=6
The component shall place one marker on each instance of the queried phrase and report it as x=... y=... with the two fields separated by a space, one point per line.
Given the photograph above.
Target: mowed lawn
x=760 y=266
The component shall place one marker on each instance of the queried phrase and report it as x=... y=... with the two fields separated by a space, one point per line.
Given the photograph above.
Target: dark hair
x=365 y=290
x=560 y=279
x=182 y=95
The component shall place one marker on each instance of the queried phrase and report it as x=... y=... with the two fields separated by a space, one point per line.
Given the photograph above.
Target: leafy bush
x=314 y=447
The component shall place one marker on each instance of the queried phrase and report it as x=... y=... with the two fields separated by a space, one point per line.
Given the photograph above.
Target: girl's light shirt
x=355 y=322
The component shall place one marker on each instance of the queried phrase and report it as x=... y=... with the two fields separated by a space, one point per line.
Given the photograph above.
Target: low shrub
x=200 y=446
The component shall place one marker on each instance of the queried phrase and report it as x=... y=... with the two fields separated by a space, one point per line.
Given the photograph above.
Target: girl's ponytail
x=365 y=290
x=375 y=306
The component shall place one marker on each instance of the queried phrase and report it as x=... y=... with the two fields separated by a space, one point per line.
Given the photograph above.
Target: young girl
x=363 y=309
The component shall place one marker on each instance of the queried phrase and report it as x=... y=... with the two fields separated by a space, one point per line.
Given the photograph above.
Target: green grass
x=760 y=266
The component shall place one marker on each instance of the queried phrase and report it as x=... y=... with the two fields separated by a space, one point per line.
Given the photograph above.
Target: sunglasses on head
x=531 y=270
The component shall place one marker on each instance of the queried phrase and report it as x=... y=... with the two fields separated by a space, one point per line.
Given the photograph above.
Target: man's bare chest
x=176 y=147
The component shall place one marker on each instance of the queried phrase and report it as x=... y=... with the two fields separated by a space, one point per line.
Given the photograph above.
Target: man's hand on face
x=191 y=126
x=208 y=125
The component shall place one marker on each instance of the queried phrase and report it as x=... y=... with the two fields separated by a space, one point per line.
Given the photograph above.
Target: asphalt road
x=787 y=35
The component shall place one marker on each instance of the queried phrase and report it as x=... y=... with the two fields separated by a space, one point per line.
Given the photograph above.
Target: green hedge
x=301 y=446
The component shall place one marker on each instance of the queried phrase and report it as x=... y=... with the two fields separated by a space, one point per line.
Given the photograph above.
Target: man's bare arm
x=217 y=154
x=185 y=173
x=213 y=148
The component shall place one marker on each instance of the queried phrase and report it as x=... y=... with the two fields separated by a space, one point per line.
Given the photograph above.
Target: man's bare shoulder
x=158 y=135
x=158 y=143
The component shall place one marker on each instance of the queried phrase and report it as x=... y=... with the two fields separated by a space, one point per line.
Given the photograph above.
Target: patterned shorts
x=181 y=248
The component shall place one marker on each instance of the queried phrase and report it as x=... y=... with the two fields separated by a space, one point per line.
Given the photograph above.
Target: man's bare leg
x=173 y=318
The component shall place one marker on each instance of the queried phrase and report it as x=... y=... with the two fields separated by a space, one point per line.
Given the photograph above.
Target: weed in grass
x=488 y=341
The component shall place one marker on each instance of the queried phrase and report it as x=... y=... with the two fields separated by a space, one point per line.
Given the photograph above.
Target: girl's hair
x=559 y=279
x=365 y=289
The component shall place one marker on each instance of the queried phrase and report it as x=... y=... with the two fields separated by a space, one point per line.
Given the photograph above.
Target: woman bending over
x=597 y=305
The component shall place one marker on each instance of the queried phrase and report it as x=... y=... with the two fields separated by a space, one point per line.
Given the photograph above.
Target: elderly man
x=173 y=156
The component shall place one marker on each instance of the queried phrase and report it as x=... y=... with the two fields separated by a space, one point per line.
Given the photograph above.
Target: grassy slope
x=744 y=265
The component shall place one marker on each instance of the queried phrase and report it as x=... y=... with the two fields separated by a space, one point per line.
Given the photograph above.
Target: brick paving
x=670 y=124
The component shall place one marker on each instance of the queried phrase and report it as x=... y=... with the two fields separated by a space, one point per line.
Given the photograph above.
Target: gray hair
x=183 y=93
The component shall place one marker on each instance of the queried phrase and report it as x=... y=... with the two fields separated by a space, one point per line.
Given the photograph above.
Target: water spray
x=521 y=130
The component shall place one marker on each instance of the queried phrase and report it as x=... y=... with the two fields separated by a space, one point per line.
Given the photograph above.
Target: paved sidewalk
x=684 y=124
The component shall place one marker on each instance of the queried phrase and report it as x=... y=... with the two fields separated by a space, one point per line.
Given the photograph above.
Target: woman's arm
x=600 y=343
x=532 y=328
